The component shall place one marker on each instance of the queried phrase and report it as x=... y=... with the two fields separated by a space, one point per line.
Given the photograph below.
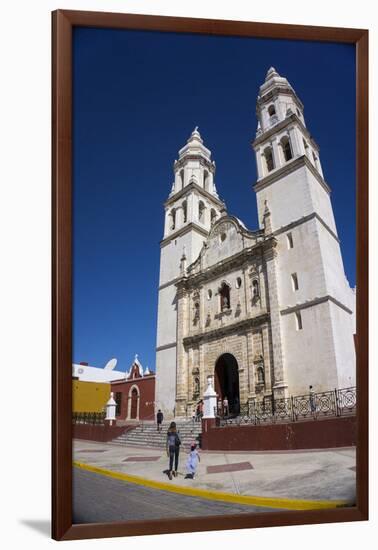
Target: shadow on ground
x=42 y=526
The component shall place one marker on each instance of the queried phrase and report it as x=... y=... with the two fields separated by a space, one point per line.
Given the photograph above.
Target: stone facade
x=268 y=312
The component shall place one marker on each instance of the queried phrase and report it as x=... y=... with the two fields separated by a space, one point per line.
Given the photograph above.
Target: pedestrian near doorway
x=236 y=405
x=312 y=400
x=198 y=412
x=201 y=409
x=225 y=406
x=159 y=420
x=219 y=406
x=173 y=449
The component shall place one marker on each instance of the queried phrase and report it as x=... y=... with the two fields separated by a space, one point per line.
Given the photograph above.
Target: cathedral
x=265 y=312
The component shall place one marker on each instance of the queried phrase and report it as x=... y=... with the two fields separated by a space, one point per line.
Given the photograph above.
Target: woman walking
x=173 y=448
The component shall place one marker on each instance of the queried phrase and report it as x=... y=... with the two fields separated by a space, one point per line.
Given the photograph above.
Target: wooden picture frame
x=63 y=23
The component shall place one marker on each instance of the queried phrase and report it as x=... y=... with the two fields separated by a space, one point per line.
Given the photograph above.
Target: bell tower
x=313 y=317
x=193 y=205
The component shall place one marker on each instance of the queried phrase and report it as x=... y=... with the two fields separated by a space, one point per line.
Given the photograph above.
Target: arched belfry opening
x=227 y=381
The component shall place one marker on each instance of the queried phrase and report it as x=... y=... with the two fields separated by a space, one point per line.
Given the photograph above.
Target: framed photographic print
x=210 y=284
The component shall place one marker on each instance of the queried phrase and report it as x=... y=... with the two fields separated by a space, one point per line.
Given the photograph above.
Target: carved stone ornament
x=196 y=296
x=222 y=228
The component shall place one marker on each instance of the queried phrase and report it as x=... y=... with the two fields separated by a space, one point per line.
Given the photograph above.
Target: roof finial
x=195 y=135
x=271 y=73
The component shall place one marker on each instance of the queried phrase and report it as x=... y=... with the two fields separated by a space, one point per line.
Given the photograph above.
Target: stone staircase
x=146 y=435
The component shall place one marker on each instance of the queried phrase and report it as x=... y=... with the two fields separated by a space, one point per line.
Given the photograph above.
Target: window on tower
x=224 y=293
x=185 y=211
x=286 y=148
x=206 y=180
x=201 y=211
x=306 y=147
x=290 y=242
x=173 y=218
x=294 y=281
x=255 y=289
x=298 y=319
x=196 y=312
x=269 y=161
x=271 y=110
x=182 y=178
x=213 y=216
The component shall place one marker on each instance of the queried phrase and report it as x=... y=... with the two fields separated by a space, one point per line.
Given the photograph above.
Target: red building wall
x=315 y=434
x=97 y=432
x=144 y=406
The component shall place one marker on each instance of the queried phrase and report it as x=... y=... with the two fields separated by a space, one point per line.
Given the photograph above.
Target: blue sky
x=137 y=97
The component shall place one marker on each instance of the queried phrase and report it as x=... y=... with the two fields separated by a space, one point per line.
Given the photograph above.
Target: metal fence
x=312 y=406
x=88 y=417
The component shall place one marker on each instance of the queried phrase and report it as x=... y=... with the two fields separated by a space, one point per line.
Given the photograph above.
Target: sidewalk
x=318 y=475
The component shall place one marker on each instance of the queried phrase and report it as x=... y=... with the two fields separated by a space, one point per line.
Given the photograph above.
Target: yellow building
x=89 y=396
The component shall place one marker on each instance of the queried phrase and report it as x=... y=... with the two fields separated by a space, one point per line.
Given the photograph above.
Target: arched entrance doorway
x=134 y=397
x=227 y=381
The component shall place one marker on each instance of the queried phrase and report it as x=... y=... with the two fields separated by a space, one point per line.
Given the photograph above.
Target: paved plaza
x=108 y=476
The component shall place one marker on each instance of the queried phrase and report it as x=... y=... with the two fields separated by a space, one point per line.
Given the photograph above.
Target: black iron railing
x=312 y=406
x=88 y=417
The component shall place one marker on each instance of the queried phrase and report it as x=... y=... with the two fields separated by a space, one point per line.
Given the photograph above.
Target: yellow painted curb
x=248 y=500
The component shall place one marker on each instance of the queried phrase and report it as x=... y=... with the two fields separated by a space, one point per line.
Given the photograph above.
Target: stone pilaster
x=182 y=355
x=279 y=383
x=276 y=153
x=251 y=380
x=179 y=216
x=259 y=164
x=294 y=142
x=267 y=354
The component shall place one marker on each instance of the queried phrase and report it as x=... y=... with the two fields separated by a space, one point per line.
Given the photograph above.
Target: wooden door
x=134 y=404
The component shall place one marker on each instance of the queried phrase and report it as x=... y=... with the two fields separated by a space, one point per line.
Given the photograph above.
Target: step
x=151 y=441
x=148 y=436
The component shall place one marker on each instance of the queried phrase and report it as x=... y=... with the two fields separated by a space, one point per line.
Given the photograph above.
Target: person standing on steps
x=173 y=449
x=198 y=412
x=201 y=409
x=159 y=420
